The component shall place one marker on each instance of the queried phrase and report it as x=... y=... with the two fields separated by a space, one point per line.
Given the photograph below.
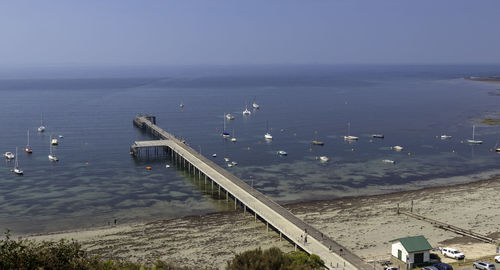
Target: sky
x=233 y=32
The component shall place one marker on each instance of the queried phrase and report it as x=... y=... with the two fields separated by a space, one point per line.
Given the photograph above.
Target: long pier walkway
x=283 y=221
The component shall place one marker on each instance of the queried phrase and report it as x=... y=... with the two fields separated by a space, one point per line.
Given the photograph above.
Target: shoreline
x=363 y=224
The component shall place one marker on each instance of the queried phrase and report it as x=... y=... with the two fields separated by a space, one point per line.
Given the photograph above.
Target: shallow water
x=97 y=181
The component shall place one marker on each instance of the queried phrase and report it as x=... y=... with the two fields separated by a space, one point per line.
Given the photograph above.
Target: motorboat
x=388 y=161
x=379 y=136
x=54 y=142
x=324 y=158
x=397 y=148
x=226 y=159
x=234 y=163
x=9 y=155
x=51 y=156
x=233 y=139
x=181 y=105
x=268 y=136
x=27 y=149
x=214 y=155
x=246 y=111
x=473 y=140
x=317 y=143
x=348 y=137
x=167 y=166
x=230 y=165
x=445 y=137
x=282 y=153
x=229 y=116
x=61 y=136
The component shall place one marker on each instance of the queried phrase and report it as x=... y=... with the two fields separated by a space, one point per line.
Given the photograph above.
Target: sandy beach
x=364 y=225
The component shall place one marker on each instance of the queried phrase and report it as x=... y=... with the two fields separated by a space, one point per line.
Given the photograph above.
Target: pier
x=276 y=217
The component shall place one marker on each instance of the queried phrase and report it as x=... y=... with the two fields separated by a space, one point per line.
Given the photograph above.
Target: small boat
x=234 y=163
x=445 y=137
x=16 y=166
x=233 y=139
x=282 y=153
x=268 y=135
x=54 y=142
x=181 y=105
x=388 y=161
x=225 y=134
x=324 y=158
x=52 y=157
x=226 y=159
x=379 y=136
x=42 y=127
x=230 y=165
x=497 y=148
x=61 y=136
x=317 y=142
x=9 y=155
x=214 y=155
x=148 y=168
x=397 y=148
x=229 y=116
x=167 y=166
x=255 y=105
x=349 y=137
x=473 y=140
x=27 y=149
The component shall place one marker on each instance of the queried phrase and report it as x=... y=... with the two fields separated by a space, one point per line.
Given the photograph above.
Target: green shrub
x=274 y=259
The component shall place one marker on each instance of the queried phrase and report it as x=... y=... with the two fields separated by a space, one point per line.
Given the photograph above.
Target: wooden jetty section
x=449 y=227
x=273 y=215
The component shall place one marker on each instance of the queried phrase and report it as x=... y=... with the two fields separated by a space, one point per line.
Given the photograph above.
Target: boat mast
x=473 y=129
x=16 y=163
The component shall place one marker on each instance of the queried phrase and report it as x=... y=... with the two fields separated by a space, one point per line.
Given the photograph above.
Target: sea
x=96 y=181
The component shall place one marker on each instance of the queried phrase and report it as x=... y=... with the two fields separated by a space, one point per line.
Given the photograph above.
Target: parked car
x=483 y=265
x=390 y=268
x=429 y=268
x=452 y=253
x=497 y=259
x=443 y=266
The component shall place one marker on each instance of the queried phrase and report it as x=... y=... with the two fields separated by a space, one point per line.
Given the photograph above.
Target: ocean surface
x=97 y=181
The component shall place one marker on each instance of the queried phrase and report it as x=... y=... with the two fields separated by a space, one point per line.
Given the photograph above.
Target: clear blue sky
x=186 y=32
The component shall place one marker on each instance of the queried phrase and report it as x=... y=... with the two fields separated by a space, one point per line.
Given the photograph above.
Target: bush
x=274 y=259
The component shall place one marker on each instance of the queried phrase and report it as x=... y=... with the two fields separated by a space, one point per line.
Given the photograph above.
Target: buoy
x=148 y=168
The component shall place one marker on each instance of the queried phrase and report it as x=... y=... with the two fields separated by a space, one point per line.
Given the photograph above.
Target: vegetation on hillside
x=274 y=259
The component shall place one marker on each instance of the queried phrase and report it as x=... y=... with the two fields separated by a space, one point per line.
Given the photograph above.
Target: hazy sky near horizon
x=189 y=32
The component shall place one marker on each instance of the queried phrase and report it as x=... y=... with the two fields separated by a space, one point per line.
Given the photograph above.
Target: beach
x=365 y=225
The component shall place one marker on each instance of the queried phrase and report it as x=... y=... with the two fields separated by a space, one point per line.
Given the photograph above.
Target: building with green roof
x=413 y=250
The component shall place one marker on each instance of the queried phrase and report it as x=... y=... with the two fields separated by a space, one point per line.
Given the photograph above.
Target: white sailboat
x=27 y=149
x=225 y=134
x=255 y=105
x=324 y=159
x=246 y=111
x=42 y=127
x=16 y=166
x=473 y=140
x=268 y=135
x=349 y=137
x=52 y=157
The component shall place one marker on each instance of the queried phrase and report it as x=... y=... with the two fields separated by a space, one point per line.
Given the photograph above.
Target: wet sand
x=364 y=225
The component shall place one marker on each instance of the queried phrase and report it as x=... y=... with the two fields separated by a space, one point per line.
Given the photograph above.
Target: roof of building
x=414 y=243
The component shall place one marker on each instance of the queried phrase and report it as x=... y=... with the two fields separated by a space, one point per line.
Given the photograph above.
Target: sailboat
x=349 y=137
x=473 y=140
x=225 y=134
x=42 y=127
x=268 y=135
x=246 y=111
x=52 y=157
x=16 y=166
x=255 y=105
x=229 y=116
x=315 y=141
x=233 y=139
x=28 y=147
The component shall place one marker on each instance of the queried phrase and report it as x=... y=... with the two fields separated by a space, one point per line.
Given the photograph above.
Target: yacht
x=225 y=134
x=397 y=148
x=445 y=137
x=388 y=161
x=52 y=157
x=255 y=105
x=268 y=135
x=214 y=155
x=42 y=127
x=229 y=116
x=9 y=155
x=379 y=136
x=27 y=149
x=324 y=158
x=246 y=111
x=282 y=153
x=54 y=142
x=473 y=140
x=349 y=137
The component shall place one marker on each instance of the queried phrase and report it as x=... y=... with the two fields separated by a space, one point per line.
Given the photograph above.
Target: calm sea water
x=97 y=181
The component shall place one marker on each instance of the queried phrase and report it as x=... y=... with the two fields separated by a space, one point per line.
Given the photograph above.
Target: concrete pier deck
x=283 y=221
